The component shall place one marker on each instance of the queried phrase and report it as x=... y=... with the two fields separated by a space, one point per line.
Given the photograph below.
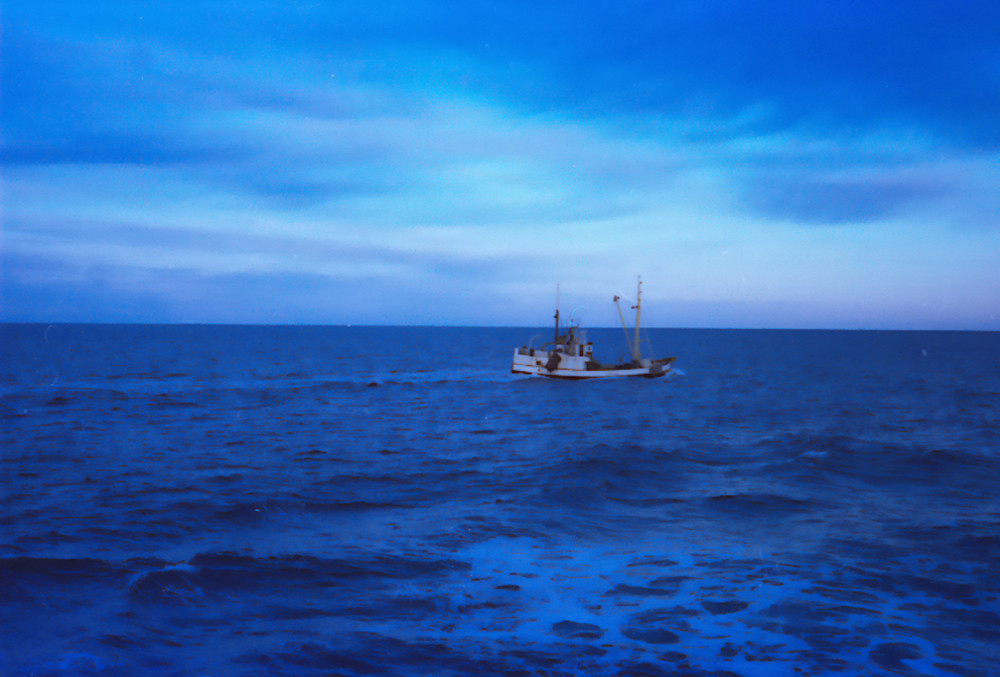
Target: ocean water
x=211 y=500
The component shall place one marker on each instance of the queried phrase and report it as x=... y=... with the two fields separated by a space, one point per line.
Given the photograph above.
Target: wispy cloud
x=837 y=199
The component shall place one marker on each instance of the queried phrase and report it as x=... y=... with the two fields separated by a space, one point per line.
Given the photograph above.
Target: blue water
x=191 y=500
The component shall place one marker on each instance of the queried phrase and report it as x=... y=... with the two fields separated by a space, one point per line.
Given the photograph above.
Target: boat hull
x=538 y=362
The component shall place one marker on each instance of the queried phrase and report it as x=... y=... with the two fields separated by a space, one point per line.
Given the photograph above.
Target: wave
x=820 y=456
x=371 y=654
x=216 y=574
x=256 y=511
x=763 y=505
x=171 y=401
x=22 y=578
x=55 y=568
x=211 y=577
x=173 y=584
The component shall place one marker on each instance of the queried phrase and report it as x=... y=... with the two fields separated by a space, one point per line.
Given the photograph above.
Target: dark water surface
x=189 y=500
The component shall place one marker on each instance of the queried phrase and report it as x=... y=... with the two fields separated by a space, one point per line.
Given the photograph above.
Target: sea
x=356 y=501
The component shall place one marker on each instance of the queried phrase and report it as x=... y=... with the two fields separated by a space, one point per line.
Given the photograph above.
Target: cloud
x=44 y=287
x=833 y=66
x=127 y=148
x=79 y=245
x=931 y=65
x=837 y=200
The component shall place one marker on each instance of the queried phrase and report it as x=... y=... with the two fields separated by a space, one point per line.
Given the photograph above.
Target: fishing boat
x=571 y=356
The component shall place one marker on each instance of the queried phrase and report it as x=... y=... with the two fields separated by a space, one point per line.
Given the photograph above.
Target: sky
x=806 y=164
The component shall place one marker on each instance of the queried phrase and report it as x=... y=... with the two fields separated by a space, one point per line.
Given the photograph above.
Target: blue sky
x=760 y=164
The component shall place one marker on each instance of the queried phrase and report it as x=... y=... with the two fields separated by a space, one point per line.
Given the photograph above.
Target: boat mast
x=557 y=313
x=638 y=309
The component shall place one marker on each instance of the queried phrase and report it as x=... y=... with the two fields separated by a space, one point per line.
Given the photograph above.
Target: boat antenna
x=557 y=313
x=628 y=339
x=638 y=309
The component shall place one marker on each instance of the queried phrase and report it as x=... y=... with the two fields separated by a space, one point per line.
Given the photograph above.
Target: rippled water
x=355 y=501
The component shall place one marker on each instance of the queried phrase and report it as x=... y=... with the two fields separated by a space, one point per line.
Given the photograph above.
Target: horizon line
x=466 y=326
